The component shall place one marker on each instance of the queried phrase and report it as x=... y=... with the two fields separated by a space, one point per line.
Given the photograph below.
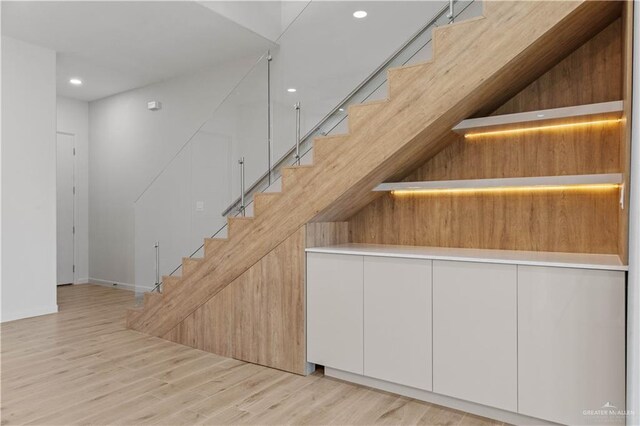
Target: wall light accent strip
x=549 y=127
x=508 y=189
x=546 y=183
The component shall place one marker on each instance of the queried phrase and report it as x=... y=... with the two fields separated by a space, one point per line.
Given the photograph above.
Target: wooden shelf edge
x=611 y=110
x=543 y=181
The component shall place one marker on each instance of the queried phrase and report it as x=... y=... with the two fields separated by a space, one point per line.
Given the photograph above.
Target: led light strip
x=537 y=188
x=542 y=128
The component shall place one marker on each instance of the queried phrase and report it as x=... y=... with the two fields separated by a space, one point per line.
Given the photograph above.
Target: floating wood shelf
x=546 y=117
x=541 y=182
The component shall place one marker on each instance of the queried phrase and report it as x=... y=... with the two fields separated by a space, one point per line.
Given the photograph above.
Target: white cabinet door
x=571 y=337
x=397 y=320
x=334 y=311
x=474 y=332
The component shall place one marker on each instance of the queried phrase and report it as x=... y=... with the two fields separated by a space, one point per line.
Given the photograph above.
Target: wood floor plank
x=81 y=366
x=192 y=382
x=185 y=417
x=160 y=410
x=106 y=399
x=238 y=393
x=441 y=416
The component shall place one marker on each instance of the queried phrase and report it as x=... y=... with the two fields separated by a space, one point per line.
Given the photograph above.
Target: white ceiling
x=266 y=18
x=118 y=46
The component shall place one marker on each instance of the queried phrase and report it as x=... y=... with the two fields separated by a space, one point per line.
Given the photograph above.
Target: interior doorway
x=65 y=207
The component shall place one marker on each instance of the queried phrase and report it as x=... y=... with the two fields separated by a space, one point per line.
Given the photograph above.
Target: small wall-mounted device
x=154 y=105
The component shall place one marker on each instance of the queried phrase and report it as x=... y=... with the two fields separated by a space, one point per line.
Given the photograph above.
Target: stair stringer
x=513 y=44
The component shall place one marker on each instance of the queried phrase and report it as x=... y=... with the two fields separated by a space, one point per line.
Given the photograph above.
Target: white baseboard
x=435 y=398
x=28 y=313
x=120 y=285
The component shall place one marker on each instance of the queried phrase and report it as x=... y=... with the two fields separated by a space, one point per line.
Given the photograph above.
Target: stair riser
x=323 y=147
x=189 y=265
x=152 y=299
x=211 y=245
x=237 y=225
x=291 y=176
x=168 y=289
x=262 y=201
x=169 y=283
x=360 y=115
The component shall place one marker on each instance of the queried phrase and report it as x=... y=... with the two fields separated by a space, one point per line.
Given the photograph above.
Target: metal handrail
x=243 y=208
x=297 y=146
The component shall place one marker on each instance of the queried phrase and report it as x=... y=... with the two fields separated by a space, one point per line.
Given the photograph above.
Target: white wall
x=28 y=180
x=130 y=145
x=73 y=117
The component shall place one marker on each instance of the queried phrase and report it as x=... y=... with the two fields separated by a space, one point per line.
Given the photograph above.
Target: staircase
x=477 y=65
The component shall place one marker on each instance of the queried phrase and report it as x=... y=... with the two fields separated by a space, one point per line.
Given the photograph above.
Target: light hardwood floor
x=81 y=366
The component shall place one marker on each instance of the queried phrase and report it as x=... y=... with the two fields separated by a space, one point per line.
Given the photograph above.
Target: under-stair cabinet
x=487 y=331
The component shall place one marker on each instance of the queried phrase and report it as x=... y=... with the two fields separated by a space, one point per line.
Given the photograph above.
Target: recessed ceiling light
x=291 y=90
x=341 y=109
x=75 y=81
x=540 y=115
x=359 y=14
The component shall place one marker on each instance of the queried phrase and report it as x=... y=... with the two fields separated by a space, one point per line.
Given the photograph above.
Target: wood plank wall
x=572 y=220
x=321 y=234
x=260 y=316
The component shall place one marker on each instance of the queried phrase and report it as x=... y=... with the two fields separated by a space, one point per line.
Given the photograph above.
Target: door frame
x=74 y=202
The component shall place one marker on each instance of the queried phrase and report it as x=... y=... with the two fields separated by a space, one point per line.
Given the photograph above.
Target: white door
x=65 y=207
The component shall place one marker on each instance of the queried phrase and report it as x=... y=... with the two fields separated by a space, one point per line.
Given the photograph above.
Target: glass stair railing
x=253 y=124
